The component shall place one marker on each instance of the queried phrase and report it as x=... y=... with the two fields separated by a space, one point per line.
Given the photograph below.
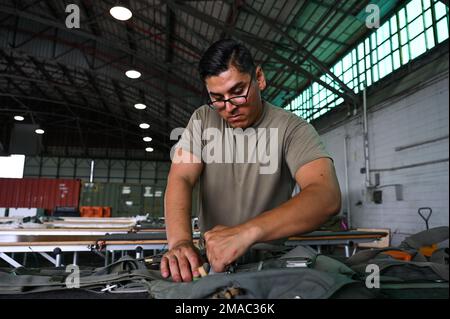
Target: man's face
x=232 y=83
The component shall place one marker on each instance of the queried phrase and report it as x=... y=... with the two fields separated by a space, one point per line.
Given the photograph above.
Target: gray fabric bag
x=271 y=279
x=420 y=268
x=124 y=272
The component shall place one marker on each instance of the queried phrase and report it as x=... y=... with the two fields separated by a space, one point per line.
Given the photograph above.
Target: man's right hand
x=181 y=261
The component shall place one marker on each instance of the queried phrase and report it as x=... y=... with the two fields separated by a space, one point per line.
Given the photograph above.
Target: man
x=243 y=202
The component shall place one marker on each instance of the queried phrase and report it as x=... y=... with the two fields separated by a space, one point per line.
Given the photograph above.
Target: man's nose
x=230 y=107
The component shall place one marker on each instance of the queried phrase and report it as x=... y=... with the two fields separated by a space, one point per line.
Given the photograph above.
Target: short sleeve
x=191 y=138
x=302 y=144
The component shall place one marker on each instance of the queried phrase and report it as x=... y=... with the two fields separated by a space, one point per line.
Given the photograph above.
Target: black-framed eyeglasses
x=219 y=105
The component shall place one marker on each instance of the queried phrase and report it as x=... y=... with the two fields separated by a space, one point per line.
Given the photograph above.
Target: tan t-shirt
x=247 y=172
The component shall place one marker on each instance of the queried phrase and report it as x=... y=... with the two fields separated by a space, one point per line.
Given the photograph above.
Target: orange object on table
x=106 y=211
x=95 y=211
x=427 y=251
x=397 y=254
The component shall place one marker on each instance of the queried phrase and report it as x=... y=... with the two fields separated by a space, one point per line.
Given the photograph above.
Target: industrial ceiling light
x=19 y=118
x=121 y=13
x=149 y=149
x=140 y=106
x=144 y=126
x=133 y=74
x=39 y=131
x=147 y=139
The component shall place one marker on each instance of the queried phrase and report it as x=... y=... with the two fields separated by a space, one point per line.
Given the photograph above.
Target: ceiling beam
x=53 y=9
x=232 y=17
x=331 y=30
x=88 y=8
x=256 y=44
x=11 y=62
x=282 y=75
x=301 y=50
x=145 y=58
x=318 y=36
x=65 y=98
x=120 y=96
x=177 y=101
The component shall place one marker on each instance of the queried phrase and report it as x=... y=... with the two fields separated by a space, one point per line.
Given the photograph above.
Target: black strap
x=429 y=210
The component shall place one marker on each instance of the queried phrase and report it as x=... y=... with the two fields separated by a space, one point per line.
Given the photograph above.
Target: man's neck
x=260 y=113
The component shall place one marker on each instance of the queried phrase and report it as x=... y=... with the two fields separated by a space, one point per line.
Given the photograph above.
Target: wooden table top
x=42 y=240
x=330 y=235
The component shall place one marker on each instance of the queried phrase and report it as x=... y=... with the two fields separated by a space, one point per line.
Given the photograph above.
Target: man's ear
x=260 y=78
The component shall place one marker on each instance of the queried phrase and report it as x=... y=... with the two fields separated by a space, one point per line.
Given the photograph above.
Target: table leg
x=10 y=260
x=347 y=250
x=57 y=252
x=139 y=252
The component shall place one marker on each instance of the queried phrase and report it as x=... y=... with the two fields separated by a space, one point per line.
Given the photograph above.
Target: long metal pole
x=366 y=139
x=349 y=213
x=91 y=176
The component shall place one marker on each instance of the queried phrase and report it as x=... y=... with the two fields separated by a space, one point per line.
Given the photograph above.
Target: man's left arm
x=319 y=199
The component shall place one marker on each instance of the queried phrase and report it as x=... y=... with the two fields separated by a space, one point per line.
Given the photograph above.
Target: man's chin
x=239 y=124
x=242 y=125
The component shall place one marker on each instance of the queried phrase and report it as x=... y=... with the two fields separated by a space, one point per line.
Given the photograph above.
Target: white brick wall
x=419 y=116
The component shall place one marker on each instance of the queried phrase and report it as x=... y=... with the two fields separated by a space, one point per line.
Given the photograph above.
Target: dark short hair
x=223 y=53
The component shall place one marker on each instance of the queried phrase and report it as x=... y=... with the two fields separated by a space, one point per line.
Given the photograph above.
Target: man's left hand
x=226 y=244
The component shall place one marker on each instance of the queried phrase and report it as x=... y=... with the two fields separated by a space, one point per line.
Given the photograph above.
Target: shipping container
x=39 y=193
x=125 y=199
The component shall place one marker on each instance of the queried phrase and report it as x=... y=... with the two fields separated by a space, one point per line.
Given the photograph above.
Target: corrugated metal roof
x=164 y=40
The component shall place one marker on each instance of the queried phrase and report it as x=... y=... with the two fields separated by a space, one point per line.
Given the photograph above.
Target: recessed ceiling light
x=147 y=139
x=144 y=126
x=19 y=118
x=140 y=106
x=39 y=131
x=149 y=149
x=133 y=74
x=121 y=13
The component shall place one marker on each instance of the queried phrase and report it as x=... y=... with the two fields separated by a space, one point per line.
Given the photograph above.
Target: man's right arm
x=182 y=260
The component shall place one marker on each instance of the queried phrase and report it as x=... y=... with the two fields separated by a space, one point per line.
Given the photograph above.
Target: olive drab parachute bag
x=404 y=271
x=291 y=275
x=297 y=273
x=126 y=272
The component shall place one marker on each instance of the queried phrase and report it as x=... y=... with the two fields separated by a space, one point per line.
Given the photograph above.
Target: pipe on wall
x=347 y=196
x=366 y=139
x=443 y=160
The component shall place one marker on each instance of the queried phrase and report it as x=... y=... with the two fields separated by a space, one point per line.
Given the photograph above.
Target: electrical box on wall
x=377 y=196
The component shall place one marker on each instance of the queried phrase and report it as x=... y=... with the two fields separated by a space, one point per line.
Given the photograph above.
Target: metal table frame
x=347 y=240
x=58 y=249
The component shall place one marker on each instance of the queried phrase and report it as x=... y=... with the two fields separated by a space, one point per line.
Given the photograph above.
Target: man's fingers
x=164 y=267
x=215 y=262
x=185 y=269
x=219 y=227
x=194 y=261
x=217 y=266
x=174 y=269
x=181 y=262
x=209 y=233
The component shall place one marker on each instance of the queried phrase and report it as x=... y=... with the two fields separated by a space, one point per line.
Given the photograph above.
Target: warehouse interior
x=90 y=103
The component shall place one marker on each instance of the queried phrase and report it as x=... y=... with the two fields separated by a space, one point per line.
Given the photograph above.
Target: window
x=12 y=166
x=413 y=30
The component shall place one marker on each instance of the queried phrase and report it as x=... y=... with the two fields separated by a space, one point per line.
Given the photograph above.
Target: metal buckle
x=108 y=288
